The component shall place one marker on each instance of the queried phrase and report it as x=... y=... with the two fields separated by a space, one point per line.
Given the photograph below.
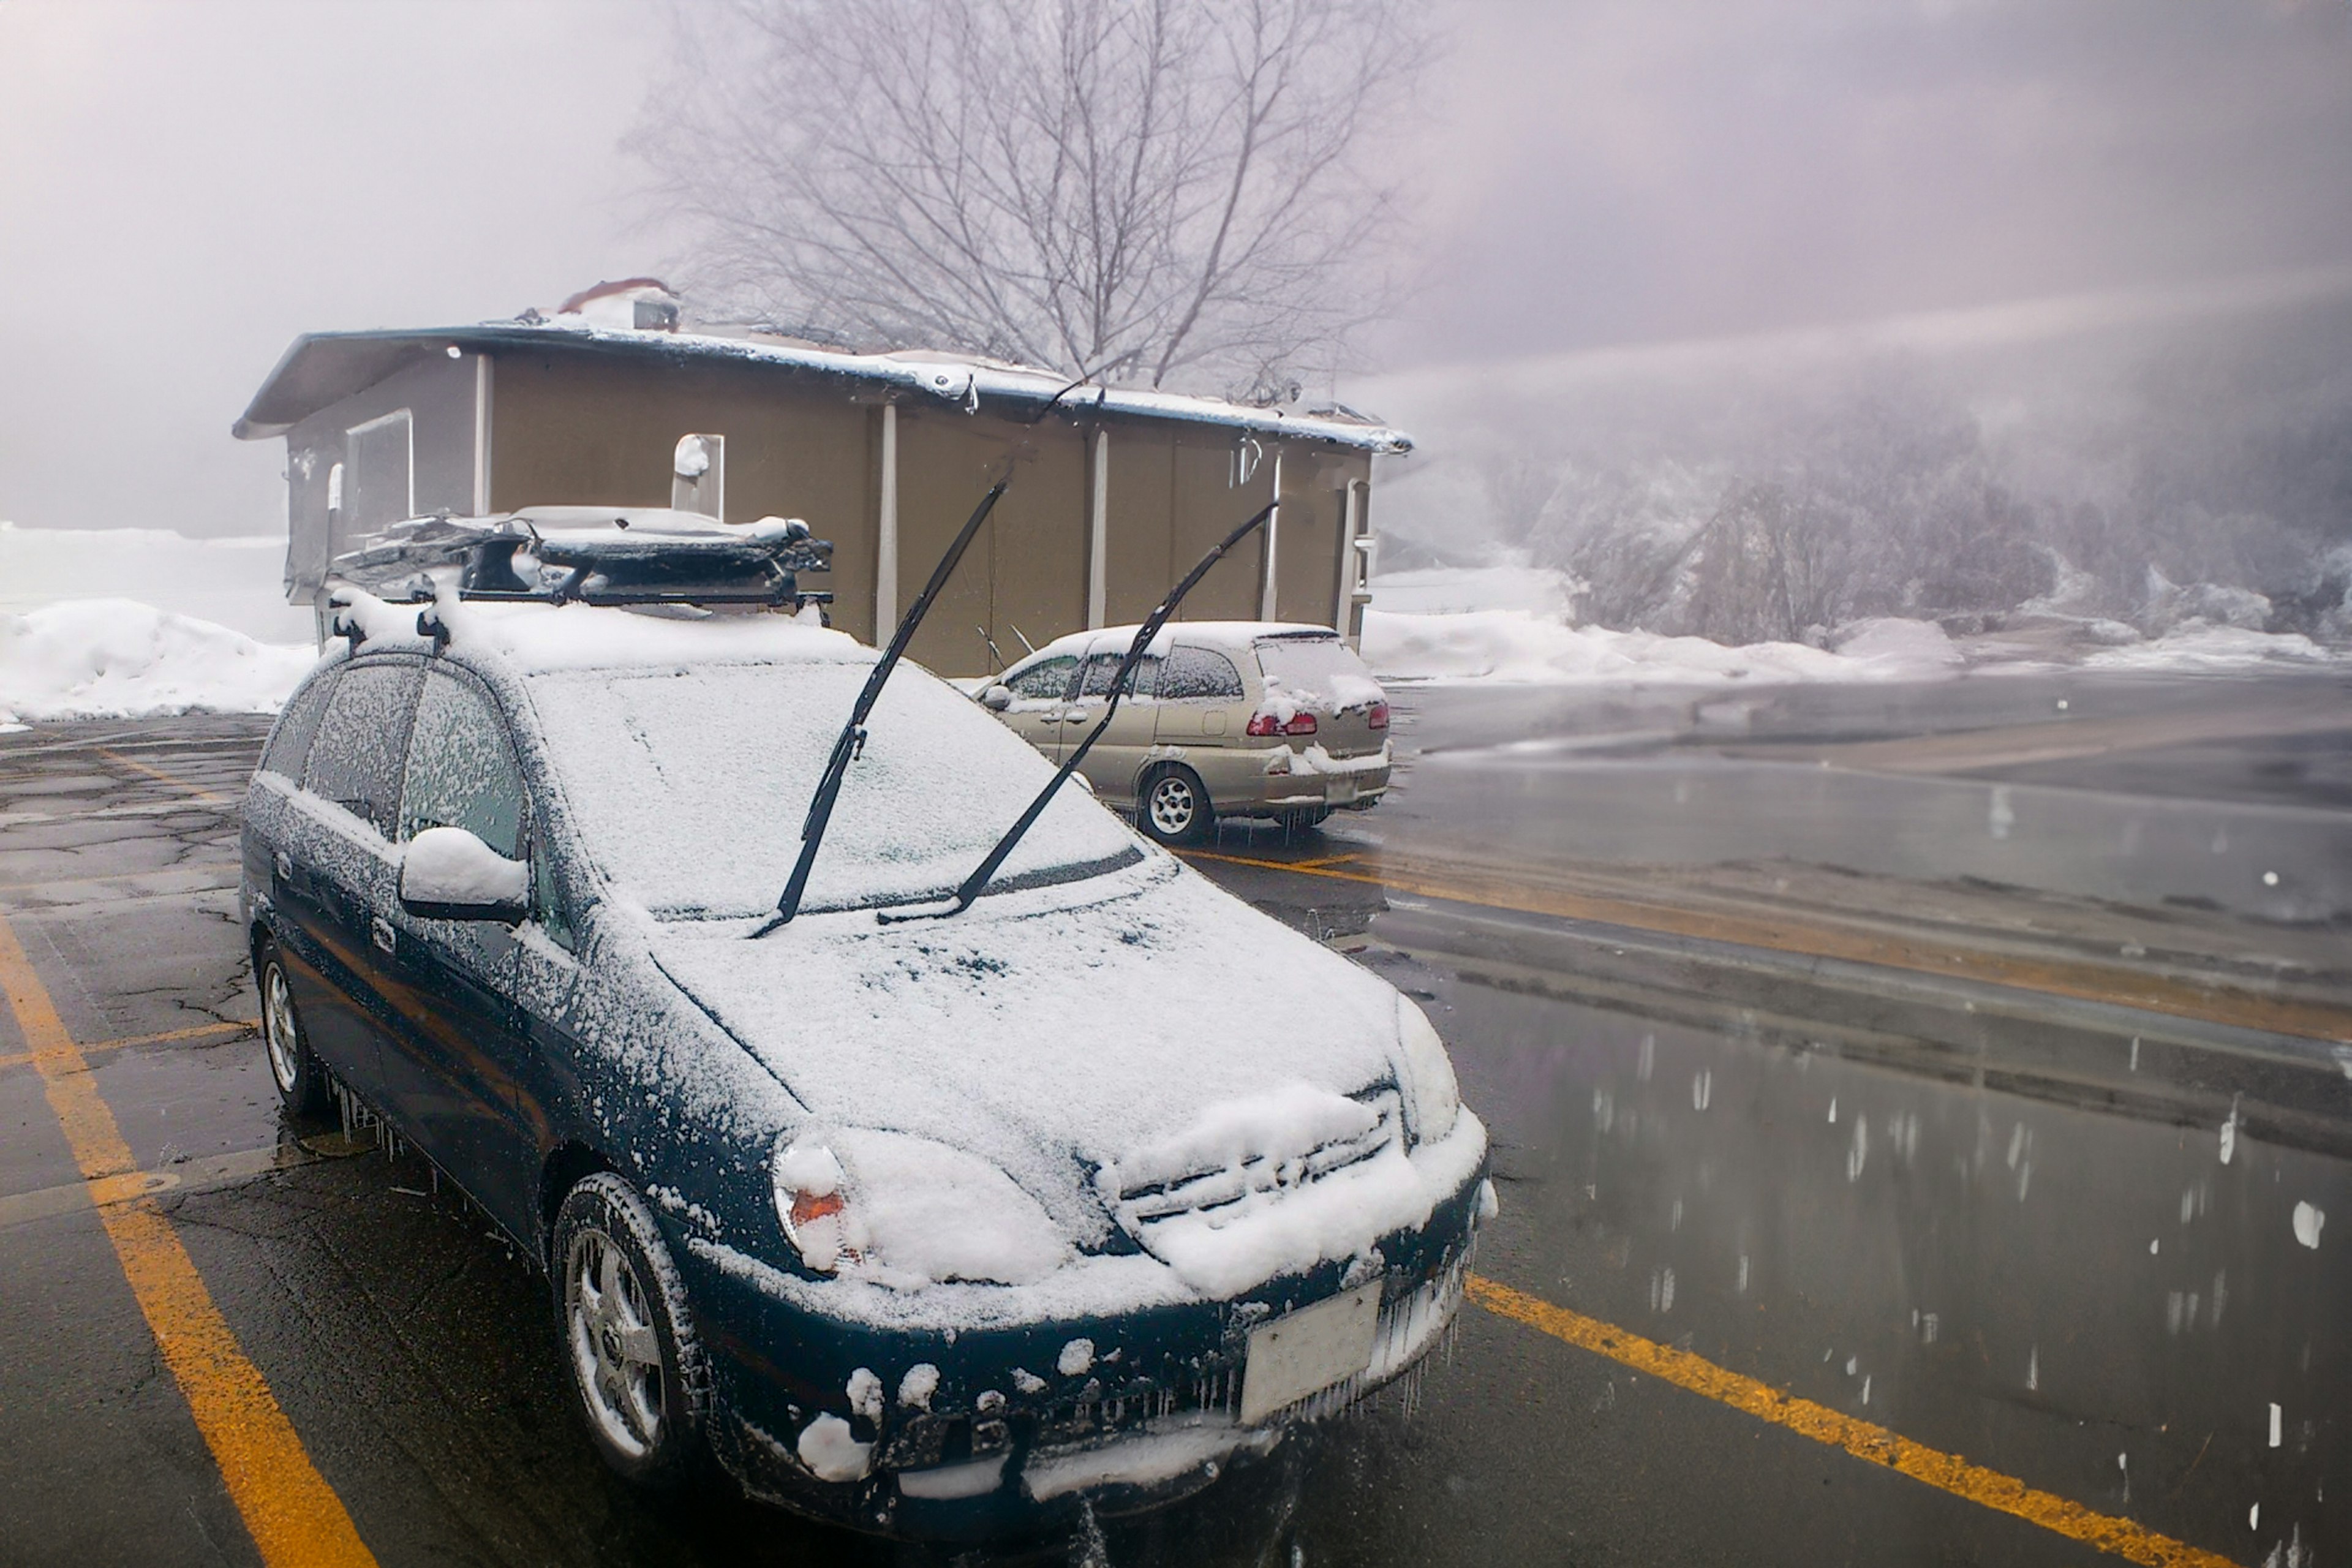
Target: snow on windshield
x=689 y=785
x=1315 y=672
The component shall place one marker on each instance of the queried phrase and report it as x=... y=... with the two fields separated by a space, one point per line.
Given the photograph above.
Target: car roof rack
x=559 y=556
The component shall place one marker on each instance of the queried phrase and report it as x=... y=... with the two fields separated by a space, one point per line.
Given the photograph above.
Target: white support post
x=1268 y=561
x=1099 y=531
x=1344 y=591
x=481 y=435
x=886 y=535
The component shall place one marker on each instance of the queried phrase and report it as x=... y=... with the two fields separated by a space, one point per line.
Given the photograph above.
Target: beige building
x=1114 y=492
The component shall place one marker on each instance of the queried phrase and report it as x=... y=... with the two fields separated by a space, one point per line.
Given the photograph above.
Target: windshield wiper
x=973 y=884
x=853 y=734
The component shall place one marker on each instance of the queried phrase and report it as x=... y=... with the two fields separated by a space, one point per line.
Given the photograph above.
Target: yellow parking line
x=199 y=790
x=294 y=1517
x=1864 y=1440
x=202 y=1031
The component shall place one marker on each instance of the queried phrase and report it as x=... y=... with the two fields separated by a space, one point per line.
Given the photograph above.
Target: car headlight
x=1431 y=1098
x=906 y=1211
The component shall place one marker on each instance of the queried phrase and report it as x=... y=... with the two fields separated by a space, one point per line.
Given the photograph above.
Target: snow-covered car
x=1224 y=719
x=935 y=1226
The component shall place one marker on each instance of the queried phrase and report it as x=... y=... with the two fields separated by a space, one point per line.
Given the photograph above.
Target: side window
x=1199 y=675
x=1101 y=667
x=461 y=769
x=290 y=742
x=1048 y=678
x=363 y=739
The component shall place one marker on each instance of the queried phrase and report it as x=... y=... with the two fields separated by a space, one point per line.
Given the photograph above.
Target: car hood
x=1053 y=1031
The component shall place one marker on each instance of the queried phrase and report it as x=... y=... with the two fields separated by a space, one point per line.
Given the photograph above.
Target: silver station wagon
x=1224 y=719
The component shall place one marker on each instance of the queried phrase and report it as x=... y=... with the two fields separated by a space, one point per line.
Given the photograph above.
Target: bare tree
x=1143 y=190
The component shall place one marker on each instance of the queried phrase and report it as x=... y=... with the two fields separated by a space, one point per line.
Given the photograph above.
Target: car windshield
x=1322 y=671
x=688 y=787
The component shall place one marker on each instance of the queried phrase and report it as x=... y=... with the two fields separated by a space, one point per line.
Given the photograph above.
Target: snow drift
x=1520 y=646
x=117 y=659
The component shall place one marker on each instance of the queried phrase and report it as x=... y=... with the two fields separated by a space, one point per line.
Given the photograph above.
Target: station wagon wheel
x=628 y=1337
x=1176 y=809
x=294 y=1068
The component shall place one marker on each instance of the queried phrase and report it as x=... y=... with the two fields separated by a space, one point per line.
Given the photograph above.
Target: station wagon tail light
x=1377 y=716
x=1265 y=724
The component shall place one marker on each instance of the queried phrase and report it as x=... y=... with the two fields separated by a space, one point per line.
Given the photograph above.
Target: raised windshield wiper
x=853 y=734
x=987 y=867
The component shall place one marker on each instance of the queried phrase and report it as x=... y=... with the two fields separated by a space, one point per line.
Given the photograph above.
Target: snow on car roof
x=1231 y=633
x=532 y=638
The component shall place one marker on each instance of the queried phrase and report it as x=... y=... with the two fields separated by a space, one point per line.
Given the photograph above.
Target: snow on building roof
x=324 y=368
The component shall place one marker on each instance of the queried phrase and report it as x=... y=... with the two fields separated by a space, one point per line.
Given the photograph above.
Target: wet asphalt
x=1911 y=1204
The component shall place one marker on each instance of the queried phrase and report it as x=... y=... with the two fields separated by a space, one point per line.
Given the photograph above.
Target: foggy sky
x=185 y=187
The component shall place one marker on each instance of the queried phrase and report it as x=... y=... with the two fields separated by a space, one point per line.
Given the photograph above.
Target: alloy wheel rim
x=278 y=1031
x=616 y=1355
x=1172 y=805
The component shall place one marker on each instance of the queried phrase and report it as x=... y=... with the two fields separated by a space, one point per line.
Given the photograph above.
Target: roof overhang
x=322 y=369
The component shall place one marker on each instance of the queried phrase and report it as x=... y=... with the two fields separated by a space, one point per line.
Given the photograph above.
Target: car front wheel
x=628 y=1337
x=294 y=1068
x=1176 y=808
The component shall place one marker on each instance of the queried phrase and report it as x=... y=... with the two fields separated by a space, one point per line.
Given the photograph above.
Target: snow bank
x=2198 y=648
x=1455 y=590
x=234 y=583
x=117 y=659
x=1520 y=645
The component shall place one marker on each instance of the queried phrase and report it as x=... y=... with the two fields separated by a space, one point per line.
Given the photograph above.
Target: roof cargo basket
x=577 y=554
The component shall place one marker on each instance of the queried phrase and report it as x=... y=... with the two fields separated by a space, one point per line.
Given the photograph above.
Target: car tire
x=1175 y=808
x=303 y=1084
x=628 y=1336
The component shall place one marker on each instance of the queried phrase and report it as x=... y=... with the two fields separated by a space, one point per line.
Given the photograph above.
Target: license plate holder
x=1305 y=1352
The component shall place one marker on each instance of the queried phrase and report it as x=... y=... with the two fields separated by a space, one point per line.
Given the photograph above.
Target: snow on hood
x=1051 y=1031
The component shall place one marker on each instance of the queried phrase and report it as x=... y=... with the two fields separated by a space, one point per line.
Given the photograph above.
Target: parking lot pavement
x=1774 y=1280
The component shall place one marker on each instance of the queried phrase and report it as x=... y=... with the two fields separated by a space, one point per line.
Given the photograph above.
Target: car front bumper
x=1009 y=1441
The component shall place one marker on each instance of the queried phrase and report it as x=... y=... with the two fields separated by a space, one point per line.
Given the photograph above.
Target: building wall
x=578 y=429
x=439 y=393
x=574 y=428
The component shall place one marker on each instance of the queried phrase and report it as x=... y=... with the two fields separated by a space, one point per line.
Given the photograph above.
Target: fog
x=1735 y=190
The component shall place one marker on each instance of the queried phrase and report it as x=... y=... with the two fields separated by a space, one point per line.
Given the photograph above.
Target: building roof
x=324 y=368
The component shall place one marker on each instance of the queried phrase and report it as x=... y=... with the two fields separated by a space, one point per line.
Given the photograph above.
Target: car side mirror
x=996 y=698
x=448 y=874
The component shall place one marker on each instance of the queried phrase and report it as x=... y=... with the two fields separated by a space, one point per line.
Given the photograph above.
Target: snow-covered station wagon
x=932 y=1216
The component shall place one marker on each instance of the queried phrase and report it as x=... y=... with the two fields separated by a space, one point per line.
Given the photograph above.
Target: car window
x=461 y=769
x=1101 y=667
x=1199 y=675
x=1319 y=669
x=1047 y=678
x=363 y=739
x=290 y=742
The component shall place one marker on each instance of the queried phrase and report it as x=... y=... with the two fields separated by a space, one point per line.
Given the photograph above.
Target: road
x=1881 y=1181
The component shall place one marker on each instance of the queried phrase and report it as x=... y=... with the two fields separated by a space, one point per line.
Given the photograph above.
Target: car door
x=458 y=1041
x=1040 y=705
x=339 y=871
x=1113 y=761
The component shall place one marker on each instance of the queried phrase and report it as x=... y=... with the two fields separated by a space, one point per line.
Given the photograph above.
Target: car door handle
x=381 y=930
x=284 y=865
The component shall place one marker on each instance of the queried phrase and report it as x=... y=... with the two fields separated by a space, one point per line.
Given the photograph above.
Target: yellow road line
x=294 y=1516
x=1779 y=931
x=202 y=1031
x=199 y=790
x=1864 y=1440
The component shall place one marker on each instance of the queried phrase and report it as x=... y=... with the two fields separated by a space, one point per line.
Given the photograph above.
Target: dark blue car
x=932 y=1227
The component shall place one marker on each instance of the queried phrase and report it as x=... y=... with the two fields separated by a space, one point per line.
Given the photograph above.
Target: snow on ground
x=233 y=582
x=1520 y=645
x=2196 y=648
x=1510 y=624
x=117 y=659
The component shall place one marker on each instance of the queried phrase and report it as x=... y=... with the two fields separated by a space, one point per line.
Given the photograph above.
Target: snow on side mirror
x=996 y=698
x=447 y=874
